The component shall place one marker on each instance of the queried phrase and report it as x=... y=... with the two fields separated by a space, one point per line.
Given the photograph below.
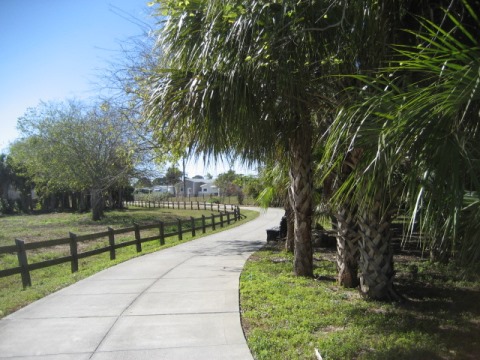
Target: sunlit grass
x=288 y=317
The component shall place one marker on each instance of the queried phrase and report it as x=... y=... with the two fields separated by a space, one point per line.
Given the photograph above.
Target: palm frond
x=419 y=138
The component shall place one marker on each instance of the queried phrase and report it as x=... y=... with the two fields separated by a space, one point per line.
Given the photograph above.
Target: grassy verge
x=285 y=317
x=48 y=280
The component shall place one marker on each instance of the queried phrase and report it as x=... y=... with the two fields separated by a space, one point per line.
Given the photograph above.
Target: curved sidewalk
x=178 y=303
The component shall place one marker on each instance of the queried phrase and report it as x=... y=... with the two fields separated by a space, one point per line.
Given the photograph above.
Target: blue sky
x=53 y=50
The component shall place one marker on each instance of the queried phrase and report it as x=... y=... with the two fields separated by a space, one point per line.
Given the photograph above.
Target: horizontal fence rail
x=165 y=230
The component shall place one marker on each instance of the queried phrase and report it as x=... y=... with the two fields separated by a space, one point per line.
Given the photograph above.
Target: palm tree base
x=376 y=258
x=347 y=248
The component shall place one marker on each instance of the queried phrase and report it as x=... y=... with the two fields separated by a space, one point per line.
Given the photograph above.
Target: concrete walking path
x=178 y=303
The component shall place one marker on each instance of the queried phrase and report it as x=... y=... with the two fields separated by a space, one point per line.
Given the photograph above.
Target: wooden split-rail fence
x=192 y=205
x=165 y=230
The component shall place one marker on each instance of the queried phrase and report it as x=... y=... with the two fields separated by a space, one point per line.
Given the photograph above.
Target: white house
x=209 y=189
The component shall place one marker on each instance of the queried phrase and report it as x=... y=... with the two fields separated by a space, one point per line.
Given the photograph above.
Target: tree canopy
x=69 y=146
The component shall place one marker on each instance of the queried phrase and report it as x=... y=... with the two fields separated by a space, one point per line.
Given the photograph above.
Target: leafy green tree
x=69 y=146
x=144 y=182
x=226 y=183
x=6 y=175
x=251 y=185
x=173 y=176
x=159 y=181
x=12 y=179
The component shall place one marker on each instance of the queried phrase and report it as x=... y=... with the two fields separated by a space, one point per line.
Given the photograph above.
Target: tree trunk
x=83 y=203
x=53 y=202
x=97 y=204
x=301 y=198
x=347 y=248
x=376 y=255
x=120 y=198
x=348 y=235
x=74 y=196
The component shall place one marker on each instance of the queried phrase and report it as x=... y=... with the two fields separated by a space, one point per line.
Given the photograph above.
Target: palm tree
x=240 y=78
x=441 y=109
x=428 y=126
x=253 y=78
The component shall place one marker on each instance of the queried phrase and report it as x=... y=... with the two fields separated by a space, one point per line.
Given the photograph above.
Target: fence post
x=198 y=205
x=111 y=241
x=221 y=219
x=192 y=219
x=180 y=234
x=213 y=222
x=23 y=263
x=184 y=204
x=191 y=205
x=228 y=218
x=218 y=207
x=224 y=208
x=162 y=233
x=138 y=242
x=74 y=252
x=204 y=205
x=203 y=224
x=211 y=206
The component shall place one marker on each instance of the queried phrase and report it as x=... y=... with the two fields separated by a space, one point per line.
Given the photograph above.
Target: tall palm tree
x=241 y=77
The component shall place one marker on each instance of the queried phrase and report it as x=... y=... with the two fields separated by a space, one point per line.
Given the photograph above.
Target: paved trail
x=178 y=303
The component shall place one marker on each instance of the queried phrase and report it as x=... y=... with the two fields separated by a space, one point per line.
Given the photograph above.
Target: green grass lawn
x=52 y=226
x=287 y=317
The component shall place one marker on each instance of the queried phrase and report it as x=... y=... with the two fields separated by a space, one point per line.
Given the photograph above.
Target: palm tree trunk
x=376 y=255
x=301 y=197
x=347 y=248
x=348 y=235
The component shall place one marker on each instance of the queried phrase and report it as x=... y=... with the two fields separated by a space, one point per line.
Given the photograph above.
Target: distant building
x=210 y=189
x=197 y=187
